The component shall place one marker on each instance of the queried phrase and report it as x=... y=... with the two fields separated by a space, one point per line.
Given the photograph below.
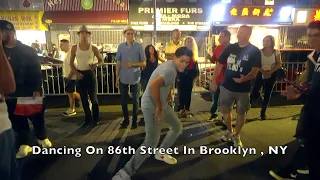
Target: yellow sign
x=255 y=12
x=24 y=20
x=245 y=12
x=48 y=21
x=316 y=16
x=234 y=12
x=118 y=21
x=268 y=12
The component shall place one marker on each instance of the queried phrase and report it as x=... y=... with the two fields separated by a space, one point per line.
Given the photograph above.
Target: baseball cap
x=4 y=24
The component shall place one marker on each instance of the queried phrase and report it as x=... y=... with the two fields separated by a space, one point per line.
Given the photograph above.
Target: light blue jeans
x=153 y=132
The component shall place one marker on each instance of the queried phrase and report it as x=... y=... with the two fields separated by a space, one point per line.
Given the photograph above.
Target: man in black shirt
x=312 y=108
x=243 y=62
x=27 y=72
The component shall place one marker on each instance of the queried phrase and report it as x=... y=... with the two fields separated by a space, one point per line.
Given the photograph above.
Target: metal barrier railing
x=54 y=84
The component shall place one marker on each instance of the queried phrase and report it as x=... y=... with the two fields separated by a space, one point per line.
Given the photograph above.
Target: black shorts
x=70 y=86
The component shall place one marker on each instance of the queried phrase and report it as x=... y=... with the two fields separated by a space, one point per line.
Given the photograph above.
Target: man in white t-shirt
x=7 y=138
x=70 y=79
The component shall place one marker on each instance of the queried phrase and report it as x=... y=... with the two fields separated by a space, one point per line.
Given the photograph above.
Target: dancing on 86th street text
x=119 y=150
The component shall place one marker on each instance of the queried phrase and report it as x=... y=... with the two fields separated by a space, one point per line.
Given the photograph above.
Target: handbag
x=280 y=73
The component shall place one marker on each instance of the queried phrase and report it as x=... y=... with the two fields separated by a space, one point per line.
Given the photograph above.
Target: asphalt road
x=257 y=135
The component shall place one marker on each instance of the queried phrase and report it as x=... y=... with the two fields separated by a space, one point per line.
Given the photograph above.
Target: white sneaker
x=236 y=141
x=24 y=150
x=227 y=136
x=121 y=175
x=165 y=158
x=45 y=143
x=69 y=112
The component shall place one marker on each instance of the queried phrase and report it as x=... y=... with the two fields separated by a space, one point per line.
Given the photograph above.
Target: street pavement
x=258 y=135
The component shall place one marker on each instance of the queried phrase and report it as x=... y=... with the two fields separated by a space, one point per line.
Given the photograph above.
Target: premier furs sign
x=170 y=14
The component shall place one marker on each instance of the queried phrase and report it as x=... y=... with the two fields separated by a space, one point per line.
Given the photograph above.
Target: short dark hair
x=314 y=25
x=226 y=33
x=64 y=40
x=4 y=24
x=181 y=51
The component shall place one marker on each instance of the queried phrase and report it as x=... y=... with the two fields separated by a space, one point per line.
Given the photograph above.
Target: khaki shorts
x=228 y=98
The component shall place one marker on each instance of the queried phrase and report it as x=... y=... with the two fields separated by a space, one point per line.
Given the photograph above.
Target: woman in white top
x=270 y=62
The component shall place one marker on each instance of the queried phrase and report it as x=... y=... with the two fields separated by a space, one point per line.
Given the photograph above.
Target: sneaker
x=24 y=150
x=121 y=175
x=227 y=137
x=236 y=141
x=281 y=174
x=45 y=143
x=304 y=171
x=134 y=125
x=69 y=112
x=212 y=118
x=165 y=158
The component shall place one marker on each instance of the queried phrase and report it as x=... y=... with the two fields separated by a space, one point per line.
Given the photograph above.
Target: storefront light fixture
x=302 y=16
x=218 y=12
x=226 y=1
x=285 y=12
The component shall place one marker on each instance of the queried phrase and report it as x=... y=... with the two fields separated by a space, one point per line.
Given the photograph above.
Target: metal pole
x=154 y=22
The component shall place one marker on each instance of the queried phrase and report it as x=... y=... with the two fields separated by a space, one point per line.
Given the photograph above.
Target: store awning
x=87 y=5
x=24 y=20
x=87 y=17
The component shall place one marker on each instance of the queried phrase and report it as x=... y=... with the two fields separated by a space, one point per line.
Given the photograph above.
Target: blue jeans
x=8 y=165
x=135 y=90
x=153 y=132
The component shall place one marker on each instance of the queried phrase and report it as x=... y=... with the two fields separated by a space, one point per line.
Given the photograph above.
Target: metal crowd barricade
x=54 y=84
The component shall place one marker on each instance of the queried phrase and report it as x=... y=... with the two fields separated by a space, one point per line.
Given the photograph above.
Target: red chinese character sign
x=246 y=11
x=254 y=15
x=316 y=16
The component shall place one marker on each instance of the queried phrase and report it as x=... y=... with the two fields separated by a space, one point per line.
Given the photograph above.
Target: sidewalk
x=277 y=130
